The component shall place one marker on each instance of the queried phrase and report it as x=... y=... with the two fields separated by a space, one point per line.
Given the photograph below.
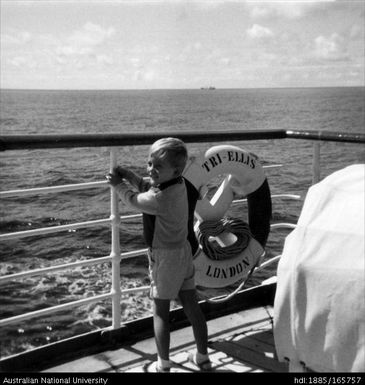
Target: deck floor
x=240 y=342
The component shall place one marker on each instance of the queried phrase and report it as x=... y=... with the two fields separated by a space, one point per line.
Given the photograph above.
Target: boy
x=165 y=207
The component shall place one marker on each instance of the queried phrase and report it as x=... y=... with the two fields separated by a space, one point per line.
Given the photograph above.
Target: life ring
x=245 y=174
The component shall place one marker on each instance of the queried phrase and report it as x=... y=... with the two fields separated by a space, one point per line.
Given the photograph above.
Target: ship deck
x=241 y=342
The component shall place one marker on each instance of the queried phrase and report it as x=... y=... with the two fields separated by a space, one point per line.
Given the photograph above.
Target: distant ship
x=208 y=88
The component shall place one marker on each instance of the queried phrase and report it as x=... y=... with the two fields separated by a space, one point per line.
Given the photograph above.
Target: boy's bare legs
x=161 y=325
x=196 y=317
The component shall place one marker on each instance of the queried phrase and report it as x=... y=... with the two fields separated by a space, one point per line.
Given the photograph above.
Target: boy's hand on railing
x=114 y=179
x=121 y=171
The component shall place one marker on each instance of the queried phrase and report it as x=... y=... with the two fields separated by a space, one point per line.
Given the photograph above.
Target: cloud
x=69 y=50
x=23 y=62
x=331 y=48
x=91 y=35
x=259 y=32
x=292 y=9
x=104 y=59
x=226 y=61
x=357 y=32
x=146 y=75
x=83 y=46
x=18 y=38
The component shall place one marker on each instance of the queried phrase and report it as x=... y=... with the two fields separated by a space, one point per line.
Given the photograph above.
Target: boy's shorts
x=171 y=271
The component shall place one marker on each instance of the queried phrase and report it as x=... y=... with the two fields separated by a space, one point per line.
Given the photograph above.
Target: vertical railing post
x=115 y=247
x=316 y=168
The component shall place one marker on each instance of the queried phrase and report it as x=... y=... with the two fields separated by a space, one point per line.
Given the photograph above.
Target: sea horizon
x=203 y=88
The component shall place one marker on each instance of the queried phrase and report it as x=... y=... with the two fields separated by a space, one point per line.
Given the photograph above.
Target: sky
x=177 y=44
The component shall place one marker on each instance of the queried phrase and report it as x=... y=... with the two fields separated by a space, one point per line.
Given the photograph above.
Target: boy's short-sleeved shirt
x=167 y=212
x=169 y=227
x=149 y=221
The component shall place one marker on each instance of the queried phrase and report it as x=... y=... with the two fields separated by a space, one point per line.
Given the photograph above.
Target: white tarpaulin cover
x=319 y=311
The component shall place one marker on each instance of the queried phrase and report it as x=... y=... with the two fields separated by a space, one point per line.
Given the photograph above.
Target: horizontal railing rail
x=328 y=136
x=52 y=269
x=53 y=229
x=28 y=142
x=54 y=309
x=18 y=142
x=52 y=189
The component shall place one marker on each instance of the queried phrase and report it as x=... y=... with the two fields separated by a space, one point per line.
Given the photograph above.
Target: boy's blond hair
x=173 y=150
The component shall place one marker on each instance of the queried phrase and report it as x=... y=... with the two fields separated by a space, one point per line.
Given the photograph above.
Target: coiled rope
x=212 y=228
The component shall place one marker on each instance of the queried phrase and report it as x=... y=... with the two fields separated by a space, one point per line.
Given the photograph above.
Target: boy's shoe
x=154 y=367
x=205 y=366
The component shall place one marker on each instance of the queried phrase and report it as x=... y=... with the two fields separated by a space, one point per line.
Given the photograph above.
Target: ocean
x=68 y=112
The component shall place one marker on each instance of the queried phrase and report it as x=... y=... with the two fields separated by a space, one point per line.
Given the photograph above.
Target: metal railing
x=18 y=142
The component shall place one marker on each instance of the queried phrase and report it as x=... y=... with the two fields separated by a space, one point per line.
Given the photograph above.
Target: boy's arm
x=145 y=202
x=135 y=180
